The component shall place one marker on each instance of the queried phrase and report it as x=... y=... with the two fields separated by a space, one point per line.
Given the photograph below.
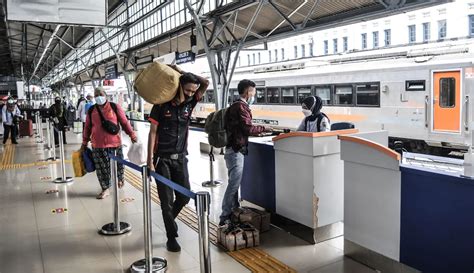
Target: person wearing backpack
x=238 y=124
x=169 y=122
x=315 y=120
x=102 y=128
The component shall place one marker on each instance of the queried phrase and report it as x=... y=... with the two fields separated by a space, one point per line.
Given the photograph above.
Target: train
x=419 y=94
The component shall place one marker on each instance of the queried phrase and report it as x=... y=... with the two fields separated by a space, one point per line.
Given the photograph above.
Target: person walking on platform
x=315 y=120
x=238 y=123
x=10 y=117
x=57 y=112
x=170 y=124
x=104 y=140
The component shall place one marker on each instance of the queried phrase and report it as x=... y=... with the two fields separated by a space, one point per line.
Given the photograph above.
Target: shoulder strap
x=89 y=113
x=114 y=107
x=318 y=123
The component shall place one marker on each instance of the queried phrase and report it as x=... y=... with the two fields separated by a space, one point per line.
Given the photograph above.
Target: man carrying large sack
x=170 y=124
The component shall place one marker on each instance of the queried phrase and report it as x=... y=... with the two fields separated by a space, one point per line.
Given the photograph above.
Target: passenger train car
x=420 y=95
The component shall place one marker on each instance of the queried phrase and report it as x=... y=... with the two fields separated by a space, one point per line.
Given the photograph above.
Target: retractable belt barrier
x=202 y=201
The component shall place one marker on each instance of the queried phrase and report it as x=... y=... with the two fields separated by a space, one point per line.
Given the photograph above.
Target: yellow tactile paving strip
x=7 y=156
x=255 y=259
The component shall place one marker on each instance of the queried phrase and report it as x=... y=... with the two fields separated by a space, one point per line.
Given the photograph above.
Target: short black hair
x=188 y=78
x=243 y=85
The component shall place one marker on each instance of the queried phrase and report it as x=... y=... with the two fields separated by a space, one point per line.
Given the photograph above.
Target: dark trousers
x=7 y=130
x=172 y=201
x=56 y=136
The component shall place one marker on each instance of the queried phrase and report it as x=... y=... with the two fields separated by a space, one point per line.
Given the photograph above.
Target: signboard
x=111 y=72
x=185 y=57
x=143 y=61
x=67 y=12
x=169 y=58
x=108 y=83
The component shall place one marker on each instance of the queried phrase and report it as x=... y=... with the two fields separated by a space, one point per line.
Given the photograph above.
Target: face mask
x=57 y=101
x=100 y=100
x=307 y=112
x=251 y=100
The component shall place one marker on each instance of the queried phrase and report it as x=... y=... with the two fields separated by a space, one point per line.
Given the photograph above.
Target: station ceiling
x=22 y=43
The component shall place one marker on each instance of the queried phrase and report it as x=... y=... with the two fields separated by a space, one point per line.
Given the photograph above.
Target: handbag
x=137 y=154
x=108 y=125
x=88 y=161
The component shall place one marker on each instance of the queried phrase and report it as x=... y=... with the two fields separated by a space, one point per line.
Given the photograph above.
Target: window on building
x=276 y=55
x=375 y=39
x=288 y=95
x=303 y=92
x=442 y=29
x=210 y=95
x=388 y=37
x=238 y=61
x=324 y=92
x=343 y=95
x=345 y=44
x=411 y=34
x=273 y=95
x=253 y=58
x=364 y=40
x=334 y=42
x=471 y=25
x=259 y=58
x=269 y=56
x=326 y=47
x=426 y=32
x=248 y=59
x=311 y=52
x=447 y=96
x=295 y=49
x=368 y=94
x=260 y=95
x=282 y=54
x=303 y=51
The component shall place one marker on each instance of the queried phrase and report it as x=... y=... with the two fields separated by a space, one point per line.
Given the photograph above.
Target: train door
x=446 y=101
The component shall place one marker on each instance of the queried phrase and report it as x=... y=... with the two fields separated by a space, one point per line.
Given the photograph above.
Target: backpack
x=215 y=128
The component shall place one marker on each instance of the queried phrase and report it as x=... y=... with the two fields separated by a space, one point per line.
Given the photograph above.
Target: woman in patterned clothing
x=104 y=142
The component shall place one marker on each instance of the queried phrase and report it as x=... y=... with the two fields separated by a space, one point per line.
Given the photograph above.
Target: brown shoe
x=103 y=194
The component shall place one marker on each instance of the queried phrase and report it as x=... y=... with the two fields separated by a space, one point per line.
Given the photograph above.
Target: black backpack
x=215 y=128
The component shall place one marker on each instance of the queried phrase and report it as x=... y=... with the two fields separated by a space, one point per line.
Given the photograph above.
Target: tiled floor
x=33 y=239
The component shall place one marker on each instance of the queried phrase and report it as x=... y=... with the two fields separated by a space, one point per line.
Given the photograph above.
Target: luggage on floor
x=158 y=83
x=88 y=160
x=78 y=164
x=257 y=218
x=78 y=127
x=26 y=127
x=235 y=237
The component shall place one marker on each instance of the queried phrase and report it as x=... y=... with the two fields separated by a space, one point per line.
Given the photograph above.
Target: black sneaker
x=224 y=222
x=14 y=142
x=172 y=245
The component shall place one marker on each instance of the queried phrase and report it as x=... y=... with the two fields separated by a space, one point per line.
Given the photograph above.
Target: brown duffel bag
x=157 y=83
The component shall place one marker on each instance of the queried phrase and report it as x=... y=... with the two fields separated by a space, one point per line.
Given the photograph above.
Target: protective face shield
x=100 y=100
x=307 y=112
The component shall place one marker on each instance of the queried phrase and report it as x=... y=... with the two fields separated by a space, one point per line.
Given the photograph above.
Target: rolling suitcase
x=26 y=127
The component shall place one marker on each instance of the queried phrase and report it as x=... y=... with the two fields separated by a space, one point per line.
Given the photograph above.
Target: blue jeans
x=235 y=167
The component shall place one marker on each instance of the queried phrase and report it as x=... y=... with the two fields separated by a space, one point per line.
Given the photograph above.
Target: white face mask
x=307 y=112
x=251 y=100
x=100 y=100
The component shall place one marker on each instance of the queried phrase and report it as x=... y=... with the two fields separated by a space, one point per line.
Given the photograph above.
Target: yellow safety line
x=255 y=259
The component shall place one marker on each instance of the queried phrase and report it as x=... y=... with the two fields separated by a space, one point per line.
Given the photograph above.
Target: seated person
x=315 y=120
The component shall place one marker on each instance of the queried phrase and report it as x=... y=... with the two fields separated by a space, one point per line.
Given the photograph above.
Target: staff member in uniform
x=10 y=115
x=167 y=142
x=315 y=120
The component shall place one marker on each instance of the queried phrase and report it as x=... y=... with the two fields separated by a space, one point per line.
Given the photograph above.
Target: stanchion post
x=203 y=201
x=64 y=178
x=36 y=122
x=149 y=264
x=48 y=133
x=117 y=227
x=211 y=183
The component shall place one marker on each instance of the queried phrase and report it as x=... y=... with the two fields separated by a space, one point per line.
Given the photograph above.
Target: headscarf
x=315 y=104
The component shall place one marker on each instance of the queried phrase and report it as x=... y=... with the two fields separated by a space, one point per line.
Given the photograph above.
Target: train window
x=287 y=95
x=233 y=95
x=303 y=92
x=368 y=94
x=273 y=95
x=260 y=96
x=447 y=94
x=325 y=94
x=418 y=85
x=343 y=95
x=210 y=95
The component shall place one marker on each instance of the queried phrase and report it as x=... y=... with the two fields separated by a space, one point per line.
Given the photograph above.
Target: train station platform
x=48 y=227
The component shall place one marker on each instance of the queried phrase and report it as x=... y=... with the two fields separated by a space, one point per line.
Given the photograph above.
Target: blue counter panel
x=437 y=222
x=258 y=181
